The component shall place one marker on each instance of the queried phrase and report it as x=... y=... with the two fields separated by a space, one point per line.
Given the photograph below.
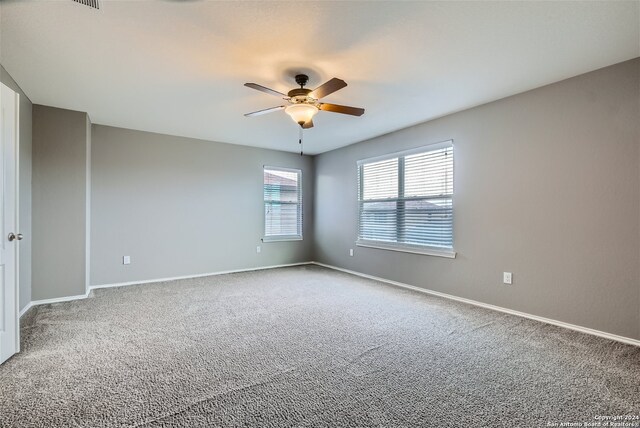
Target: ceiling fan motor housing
x=299 y=93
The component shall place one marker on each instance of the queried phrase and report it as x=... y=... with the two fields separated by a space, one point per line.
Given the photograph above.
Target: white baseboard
x=199 y=275
x=581 y=329
x=25 y=309
x=53 y=300
x=147 y=281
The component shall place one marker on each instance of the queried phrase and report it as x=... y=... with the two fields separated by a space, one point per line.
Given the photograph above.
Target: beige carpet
x=304 y=347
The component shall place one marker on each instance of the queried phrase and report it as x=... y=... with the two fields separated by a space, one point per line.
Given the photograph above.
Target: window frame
x=281 y=238
x=400 y=246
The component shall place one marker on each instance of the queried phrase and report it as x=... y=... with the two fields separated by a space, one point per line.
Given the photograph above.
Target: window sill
x=427 y=251
x=281 y=238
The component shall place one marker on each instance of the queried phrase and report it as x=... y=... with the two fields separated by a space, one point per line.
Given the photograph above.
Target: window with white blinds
x=406 y=201
x=282 y=204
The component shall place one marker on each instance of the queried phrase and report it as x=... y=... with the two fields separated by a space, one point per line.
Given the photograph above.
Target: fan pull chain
x=300 y=142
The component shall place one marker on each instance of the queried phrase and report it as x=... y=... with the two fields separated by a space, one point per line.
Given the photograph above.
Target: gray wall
x=546 y=187
x=180 y=206
x=25 y=188
x=60 y=177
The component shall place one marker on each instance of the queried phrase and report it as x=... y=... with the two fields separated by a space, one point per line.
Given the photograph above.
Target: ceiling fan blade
x=265 y=89
x=308 y=125
x=265 y=111
x=328 y=88
x=336 y=108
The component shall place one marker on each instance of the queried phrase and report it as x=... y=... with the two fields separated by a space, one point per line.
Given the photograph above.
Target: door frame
x=16 y=147
x=17 y=213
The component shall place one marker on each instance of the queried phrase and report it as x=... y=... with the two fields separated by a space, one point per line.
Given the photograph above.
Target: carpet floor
x=305 y=347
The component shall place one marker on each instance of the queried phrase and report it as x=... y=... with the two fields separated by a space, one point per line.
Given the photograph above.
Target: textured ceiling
x=178 y=67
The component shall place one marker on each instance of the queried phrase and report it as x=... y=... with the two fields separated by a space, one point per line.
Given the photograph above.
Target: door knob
x=12 y=237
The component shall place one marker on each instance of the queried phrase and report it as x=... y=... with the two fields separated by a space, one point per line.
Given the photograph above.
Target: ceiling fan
x=303 y=104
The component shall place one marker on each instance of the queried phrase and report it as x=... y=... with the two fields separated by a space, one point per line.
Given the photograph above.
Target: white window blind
x=282 y=204
x=406 y=200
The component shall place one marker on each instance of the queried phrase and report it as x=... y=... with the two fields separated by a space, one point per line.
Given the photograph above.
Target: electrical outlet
x=507 y=277
x=351 y=252
x=126 y=260
x=258 y=249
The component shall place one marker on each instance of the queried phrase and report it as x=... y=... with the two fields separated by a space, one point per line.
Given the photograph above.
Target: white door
x=9 y=334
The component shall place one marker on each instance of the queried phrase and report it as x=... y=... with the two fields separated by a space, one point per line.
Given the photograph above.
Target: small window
x=282 y=204
x=406 y=201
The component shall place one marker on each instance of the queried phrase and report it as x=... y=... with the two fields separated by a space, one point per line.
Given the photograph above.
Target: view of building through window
x=282 y=203
x=407 y=199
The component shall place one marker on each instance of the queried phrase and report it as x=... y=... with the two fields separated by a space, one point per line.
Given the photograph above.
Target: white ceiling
x=178 y=67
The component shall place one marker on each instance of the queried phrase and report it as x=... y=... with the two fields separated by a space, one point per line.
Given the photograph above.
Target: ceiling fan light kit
x=301 y=113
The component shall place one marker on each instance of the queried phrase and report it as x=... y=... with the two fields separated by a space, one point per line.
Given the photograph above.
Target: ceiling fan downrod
x=302 y=79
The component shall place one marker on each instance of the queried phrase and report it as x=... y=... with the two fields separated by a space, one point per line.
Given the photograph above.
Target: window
x=406 y=201
x=282 y=204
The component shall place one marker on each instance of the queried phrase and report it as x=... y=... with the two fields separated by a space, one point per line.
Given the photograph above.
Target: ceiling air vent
x=91 y=3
